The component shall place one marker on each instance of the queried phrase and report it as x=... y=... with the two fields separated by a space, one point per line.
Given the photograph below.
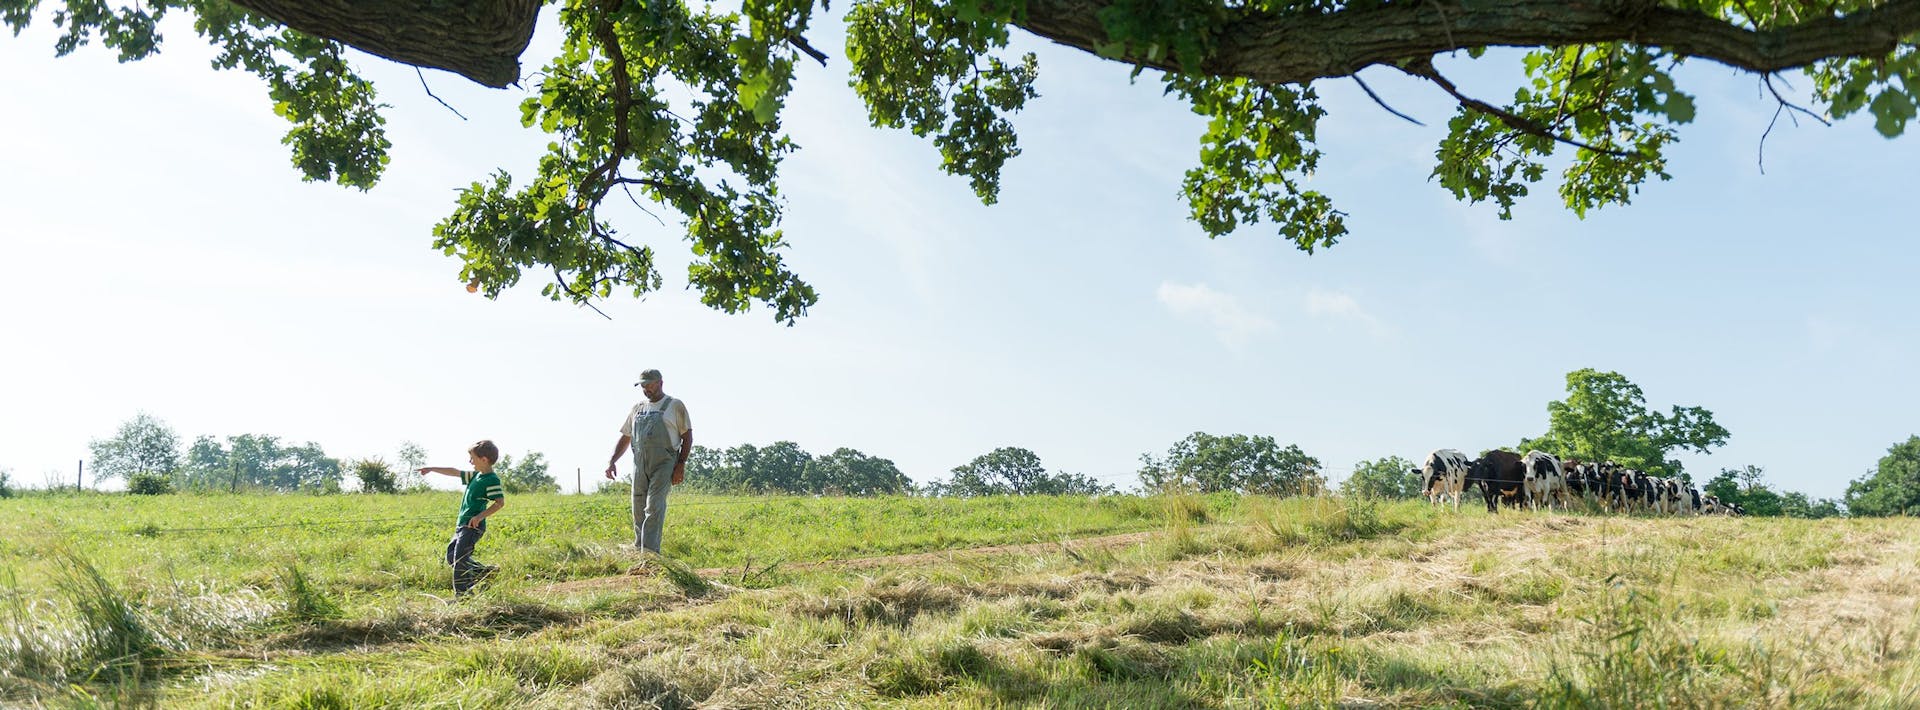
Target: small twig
x=801 y=44
x=1383 y=104
x=1764 y=134
x=423 y=85
x=580 y=298
x=1768 y=80
x=636 y=203
x=1424 y=68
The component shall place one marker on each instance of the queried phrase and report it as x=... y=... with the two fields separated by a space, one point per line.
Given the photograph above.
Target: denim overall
x=653 y=459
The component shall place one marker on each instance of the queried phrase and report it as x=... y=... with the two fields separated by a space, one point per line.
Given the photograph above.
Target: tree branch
x=423 y=85
x=801 y=44
x=478 y=39
x=1424 y=68
x=1383 y=104
x=1295 y=48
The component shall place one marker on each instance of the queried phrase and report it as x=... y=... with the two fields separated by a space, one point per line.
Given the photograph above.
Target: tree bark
x=1295 y=48
x=482 y=39
x=478 y=39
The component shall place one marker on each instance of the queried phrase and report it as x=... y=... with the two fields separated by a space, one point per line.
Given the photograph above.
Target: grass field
x=803 y=602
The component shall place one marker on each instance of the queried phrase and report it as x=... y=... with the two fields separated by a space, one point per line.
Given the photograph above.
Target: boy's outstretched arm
x=442 y=470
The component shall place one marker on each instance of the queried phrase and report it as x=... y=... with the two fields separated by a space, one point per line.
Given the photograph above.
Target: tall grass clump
x=1182 y=510
x=35 y=646
x=1322 y=520
x=305 y=601
x=115 y=641
x=1295 y=673
x=1629 y=654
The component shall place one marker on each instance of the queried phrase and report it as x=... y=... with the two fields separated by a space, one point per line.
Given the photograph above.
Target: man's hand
x=679 y=473
x=612 y=471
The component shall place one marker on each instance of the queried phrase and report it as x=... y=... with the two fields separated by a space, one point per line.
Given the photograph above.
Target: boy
x=482 y=486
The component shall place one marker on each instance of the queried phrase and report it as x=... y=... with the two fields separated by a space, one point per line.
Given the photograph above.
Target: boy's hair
x=486 y=450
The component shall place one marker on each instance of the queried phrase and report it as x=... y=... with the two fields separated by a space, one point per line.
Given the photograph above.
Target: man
x=661 y=436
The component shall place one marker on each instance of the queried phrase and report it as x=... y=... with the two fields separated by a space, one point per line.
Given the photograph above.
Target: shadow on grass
x=499 y=620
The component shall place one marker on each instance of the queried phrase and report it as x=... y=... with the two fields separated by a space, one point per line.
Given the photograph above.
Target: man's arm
x=680 y=462
x=498 y=503
x=613 y=464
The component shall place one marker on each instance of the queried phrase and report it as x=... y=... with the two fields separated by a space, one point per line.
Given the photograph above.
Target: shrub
x=375 y=476
x=147 y=483
x=6 y=483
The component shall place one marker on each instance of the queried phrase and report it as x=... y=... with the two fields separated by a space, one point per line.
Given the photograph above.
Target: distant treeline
x=1603 y=418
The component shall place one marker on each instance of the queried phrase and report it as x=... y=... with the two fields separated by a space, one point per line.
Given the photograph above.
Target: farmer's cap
x=648 y=376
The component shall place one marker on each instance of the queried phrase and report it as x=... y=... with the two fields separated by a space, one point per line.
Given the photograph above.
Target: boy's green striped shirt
x=481 y=487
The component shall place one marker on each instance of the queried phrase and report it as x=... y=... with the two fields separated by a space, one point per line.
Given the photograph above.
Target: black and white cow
x=1543 y=477
x=1501 y=477
x=1446 y=475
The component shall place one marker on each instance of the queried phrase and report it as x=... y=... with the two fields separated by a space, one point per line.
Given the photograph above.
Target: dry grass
x=1308 y=603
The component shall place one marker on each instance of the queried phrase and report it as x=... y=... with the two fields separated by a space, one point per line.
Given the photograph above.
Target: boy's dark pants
x=460 y=556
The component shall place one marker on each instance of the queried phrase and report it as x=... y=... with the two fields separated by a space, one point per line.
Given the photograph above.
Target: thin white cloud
x=1322 y=303
x=1232 y=322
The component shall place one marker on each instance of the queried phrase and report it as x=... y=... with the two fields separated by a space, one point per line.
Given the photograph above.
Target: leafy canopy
x=1206 y=463
x=1389 y=477
x=1605 y=418
x=142 y=445
x=1893 y=487
x=1011 y=470
x=679 y=106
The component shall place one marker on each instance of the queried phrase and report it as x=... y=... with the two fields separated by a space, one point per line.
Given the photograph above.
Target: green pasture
x=1226 y=602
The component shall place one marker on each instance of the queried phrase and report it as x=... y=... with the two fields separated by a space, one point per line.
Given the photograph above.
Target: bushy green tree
x=1893 y=487
x=683 y=105
x=1795 y=504
x=1605 y=418
x=784 y=467
x=849 y=472
x=144 y=444
x=375 y=476
x=1013 y=471
x=6 y=483
x=527 y=475
x=1207 y=463
x=149 y=483
x=260 y=461
x=1388 y=477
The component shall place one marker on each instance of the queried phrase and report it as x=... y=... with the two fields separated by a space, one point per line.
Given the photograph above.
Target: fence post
x=79 y=473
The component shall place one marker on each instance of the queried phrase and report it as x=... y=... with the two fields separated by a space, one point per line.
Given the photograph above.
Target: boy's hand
x=474 y=523
x=421 y=471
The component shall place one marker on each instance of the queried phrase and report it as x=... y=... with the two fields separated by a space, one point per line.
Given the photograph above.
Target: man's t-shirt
x=481 y=487
x=675 y=418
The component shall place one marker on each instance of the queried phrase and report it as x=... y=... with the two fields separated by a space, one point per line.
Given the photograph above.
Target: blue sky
x=161 y=255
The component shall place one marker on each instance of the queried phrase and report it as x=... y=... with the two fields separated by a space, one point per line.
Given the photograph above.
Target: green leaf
x=1891 y=109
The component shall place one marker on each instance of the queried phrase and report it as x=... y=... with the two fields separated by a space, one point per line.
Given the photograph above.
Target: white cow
x=1446 y=475
x=1544 y=479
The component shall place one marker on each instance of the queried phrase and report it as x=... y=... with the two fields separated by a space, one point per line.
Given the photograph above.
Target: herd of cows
x=1540 y=478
